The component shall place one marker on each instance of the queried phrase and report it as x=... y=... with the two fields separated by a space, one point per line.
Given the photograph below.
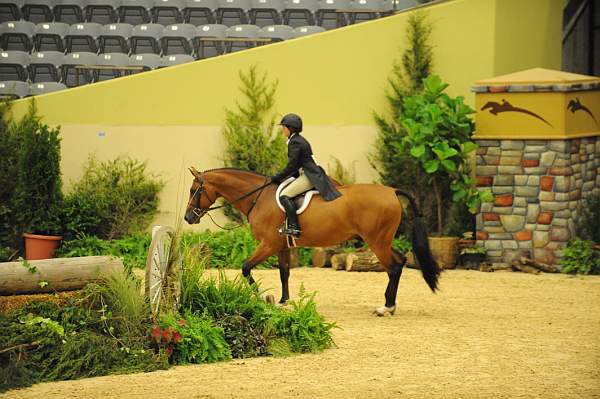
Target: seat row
x=146 y=38
x=76 y=69
x=18 y=89
x=167 y=12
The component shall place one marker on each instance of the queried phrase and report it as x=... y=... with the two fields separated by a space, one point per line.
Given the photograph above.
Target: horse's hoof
x=380 y=312
x=270 y=299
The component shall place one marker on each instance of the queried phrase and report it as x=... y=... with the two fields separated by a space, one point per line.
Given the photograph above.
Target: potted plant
x=37 y=200
x=439 y=136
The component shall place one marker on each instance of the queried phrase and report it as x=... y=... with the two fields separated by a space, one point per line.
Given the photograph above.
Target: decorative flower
x=166 y=334
x=176 y=337
x=183 y=323
x=156 y=333
x=169 y=350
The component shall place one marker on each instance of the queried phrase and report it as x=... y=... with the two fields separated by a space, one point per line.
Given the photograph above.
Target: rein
x=201 y=211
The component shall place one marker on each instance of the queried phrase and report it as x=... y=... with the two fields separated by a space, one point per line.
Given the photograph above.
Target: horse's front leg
x=261 y=253
x=284 y=274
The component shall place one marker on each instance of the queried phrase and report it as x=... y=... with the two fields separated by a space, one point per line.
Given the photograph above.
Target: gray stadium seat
x=307 y=30
x=17 y=35
x=102 y=11
x=176 y=59
x=266 y=12
x=44 y=88
x=83 y=37
x=10 y=10
x=111 y=59
x=327 y=17
x=244 y=31
x=70 y=73
x=148 y=61
x=365 y=10
x=38 y=11
x=300 y=12
x=177 y=39
x=45 y=66
x=69 y=11
x=13 y=65
x=388 y=5
x=277 y=33
x=233 y=12
x=50 y=36
x=14 y=89
x=209 y=48
x=200 y=12
x=136 y=12
x=114 y=38
x=168 y=12
x=145 y=38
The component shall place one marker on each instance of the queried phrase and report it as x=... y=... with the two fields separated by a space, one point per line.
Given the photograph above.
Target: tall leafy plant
x=439 y=137
x=251 y=142
x=37 y=201
x=396 y=168
x=9 y=151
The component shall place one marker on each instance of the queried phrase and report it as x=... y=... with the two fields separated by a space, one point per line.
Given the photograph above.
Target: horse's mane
x=236 y=170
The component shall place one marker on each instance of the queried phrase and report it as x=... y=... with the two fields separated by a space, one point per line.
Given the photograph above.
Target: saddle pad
x=307 y=196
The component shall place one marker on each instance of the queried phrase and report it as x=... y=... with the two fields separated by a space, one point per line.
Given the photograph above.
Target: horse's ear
x=194 y=171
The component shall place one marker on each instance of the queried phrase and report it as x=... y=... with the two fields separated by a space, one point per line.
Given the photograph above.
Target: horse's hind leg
x=284 y=274
x=394 y=262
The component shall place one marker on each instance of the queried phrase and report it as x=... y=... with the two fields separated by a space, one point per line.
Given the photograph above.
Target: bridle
x=199 y=211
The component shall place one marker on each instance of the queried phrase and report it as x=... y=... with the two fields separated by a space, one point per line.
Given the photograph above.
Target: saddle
x=302 y=201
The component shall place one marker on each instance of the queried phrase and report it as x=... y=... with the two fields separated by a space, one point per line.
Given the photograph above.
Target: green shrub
x=37 y=201
x=243 y=338
x=9 y=150
x=251 y=142
x=113 y=199
x=402 y=244
x=579 y=258
x=132 y=249
x=201 y=340
x=338 y=172
x=302 y=326
x=590 y=215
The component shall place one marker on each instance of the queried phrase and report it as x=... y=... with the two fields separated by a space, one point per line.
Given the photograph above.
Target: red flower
x=176 y=337
x=156 y=333
x=183 y=323
x=169 y=350
x=167 y=334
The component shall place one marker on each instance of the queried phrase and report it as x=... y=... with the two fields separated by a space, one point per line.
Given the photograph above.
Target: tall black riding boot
x=293 y=228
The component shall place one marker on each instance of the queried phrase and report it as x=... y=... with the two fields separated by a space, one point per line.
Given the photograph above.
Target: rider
x=303 y=166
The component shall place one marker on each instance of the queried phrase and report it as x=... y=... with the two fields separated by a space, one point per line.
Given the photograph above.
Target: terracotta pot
x=40 y=247
x=445 y=251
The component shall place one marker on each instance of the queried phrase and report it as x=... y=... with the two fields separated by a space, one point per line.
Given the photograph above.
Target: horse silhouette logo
x=575 y=105
x=496 y=108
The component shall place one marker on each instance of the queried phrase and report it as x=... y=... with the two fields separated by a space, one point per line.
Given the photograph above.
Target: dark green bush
x=37 y=201
x=113 y=199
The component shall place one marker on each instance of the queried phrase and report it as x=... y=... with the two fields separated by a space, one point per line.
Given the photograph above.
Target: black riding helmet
x=293 y=122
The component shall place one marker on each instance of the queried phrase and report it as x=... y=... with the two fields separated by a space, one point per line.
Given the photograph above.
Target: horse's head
x=202 y=196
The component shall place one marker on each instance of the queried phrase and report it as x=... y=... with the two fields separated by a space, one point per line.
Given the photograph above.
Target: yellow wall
x=335 y=80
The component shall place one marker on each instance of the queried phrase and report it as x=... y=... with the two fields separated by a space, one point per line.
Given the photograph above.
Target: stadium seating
x=46 y=87
x=14 y=89
x=45 y=66
x=13 y=65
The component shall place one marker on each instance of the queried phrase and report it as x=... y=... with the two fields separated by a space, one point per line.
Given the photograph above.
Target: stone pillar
x=539 y=152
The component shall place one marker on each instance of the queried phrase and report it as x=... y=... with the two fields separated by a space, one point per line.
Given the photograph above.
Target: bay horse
x=370 y=211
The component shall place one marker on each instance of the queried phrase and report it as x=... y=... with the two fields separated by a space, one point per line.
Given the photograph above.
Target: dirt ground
x=485 y=335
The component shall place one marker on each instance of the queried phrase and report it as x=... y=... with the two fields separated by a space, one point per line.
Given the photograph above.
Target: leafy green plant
x=37 y=200
x=10 y=146
x=132 y=249
x=579 y=258
x=303 y=327
x=590 y=215
x=305 y=256
x=397 y=168
x=244 y=339
x=439 y=137
x=251 y=142
x=402 y=244
x=473 y=249
x=113 y=199
x=201 y=340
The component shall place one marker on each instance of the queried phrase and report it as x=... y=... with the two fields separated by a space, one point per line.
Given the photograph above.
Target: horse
x=370 y=211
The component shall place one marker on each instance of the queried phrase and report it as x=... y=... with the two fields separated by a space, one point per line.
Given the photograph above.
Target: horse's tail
x=420 y=243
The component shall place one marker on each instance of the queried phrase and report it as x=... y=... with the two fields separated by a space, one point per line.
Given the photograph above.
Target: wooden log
x=338 y=261
x=321 y=257
x=363 y=262
x=538 y=265
x=59 y=274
